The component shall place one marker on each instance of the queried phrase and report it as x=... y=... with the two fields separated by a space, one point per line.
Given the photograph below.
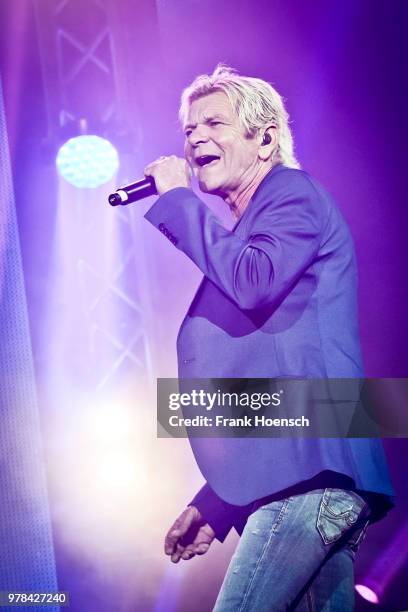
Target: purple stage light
x=377 y=580
x=368 y=594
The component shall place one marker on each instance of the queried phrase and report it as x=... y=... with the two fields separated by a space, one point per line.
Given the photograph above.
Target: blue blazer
x=278 y=298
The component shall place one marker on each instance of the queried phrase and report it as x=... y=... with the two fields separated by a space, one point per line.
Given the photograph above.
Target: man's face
x=216 y=146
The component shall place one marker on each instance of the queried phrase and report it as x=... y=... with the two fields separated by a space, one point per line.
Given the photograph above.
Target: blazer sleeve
x=285 y=237
x=219 y=514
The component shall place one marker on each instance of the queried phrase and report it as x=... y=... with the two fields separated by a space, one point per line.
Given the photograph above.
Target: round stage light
x=368 y=594
x=87 y=161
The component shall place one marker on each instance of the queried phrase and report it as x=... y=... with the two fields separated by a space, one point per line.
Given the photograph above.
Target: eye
x=187 y=133
x=212 y=123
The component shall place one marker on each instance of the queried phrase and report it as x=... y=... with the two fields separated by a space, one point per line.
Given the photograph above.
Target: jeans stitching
x=282 y=512
x=280 y=516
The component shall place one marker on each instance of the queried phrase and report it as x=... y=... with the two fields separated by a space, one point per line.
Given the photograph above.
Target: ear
x=266 y=149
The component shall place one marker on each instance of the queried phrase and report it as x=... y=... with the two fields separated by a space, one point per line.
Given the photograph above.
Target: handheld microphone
x=133 y=192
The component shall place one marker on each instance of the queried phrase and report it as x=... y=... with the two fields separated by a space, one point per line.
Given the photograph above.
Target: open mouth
x=206 y=160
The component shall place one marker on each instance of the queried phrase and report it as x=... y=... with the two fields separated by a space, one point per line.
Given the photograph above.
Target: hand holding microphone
x=162 y=175
x=169 y=173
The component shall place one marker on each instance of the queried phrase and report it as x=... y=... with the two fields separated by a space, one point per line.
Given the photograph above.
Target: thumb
x=180 y=527
x=192 y=515
x=185 y=521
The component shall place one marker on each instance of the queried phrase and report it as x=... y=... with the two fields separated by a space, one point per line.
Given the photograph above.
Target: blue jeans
x=297 y=554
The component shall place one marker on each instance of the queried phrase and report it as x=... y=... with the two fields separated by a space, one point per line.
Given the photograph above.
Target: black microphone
x=133 y=192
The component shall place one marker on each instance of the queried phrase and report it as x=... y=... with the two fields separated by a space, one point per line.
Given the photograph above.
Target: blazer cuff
x=219 y=514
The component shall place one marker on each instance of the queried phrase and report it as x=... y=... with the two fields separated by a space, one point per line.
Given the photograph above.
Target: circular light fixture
x=87 y=161
x=368 y=594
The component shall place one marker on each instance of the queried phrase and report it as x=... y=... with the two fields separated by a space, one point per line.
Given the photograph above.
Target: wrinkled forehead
x=212 y=105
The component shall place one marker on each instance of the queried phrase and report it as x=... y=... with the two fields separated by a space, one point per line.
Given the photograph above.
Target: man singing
x=278 y=299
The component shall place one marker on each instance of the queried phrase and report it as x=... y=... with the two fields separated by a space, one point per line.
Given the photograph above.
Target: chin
x=211 y=187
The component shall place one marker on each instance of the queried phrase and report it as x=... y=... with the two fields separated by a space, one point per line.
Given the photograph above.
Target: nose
x=198 y=136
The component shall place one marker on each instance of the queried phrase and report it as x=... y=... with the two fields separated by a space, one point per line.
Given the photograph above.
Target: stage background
x=106 y=293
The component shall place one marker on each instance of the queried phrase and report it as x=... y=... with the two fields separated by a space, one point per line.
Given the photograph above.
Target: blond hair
x=256 y=103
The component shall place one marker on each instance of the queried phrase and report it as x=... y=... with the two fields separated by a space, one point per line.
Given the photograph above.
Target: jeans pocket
x=338 y=512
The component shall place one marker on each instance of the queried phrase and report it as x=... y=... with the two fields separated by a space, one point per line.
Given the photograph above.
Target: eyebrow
x=206 y=120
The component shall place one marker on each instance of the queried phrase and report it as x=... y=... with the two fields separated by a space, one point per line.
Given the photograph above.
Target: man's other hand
x=169 y=173
x=189 y=535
